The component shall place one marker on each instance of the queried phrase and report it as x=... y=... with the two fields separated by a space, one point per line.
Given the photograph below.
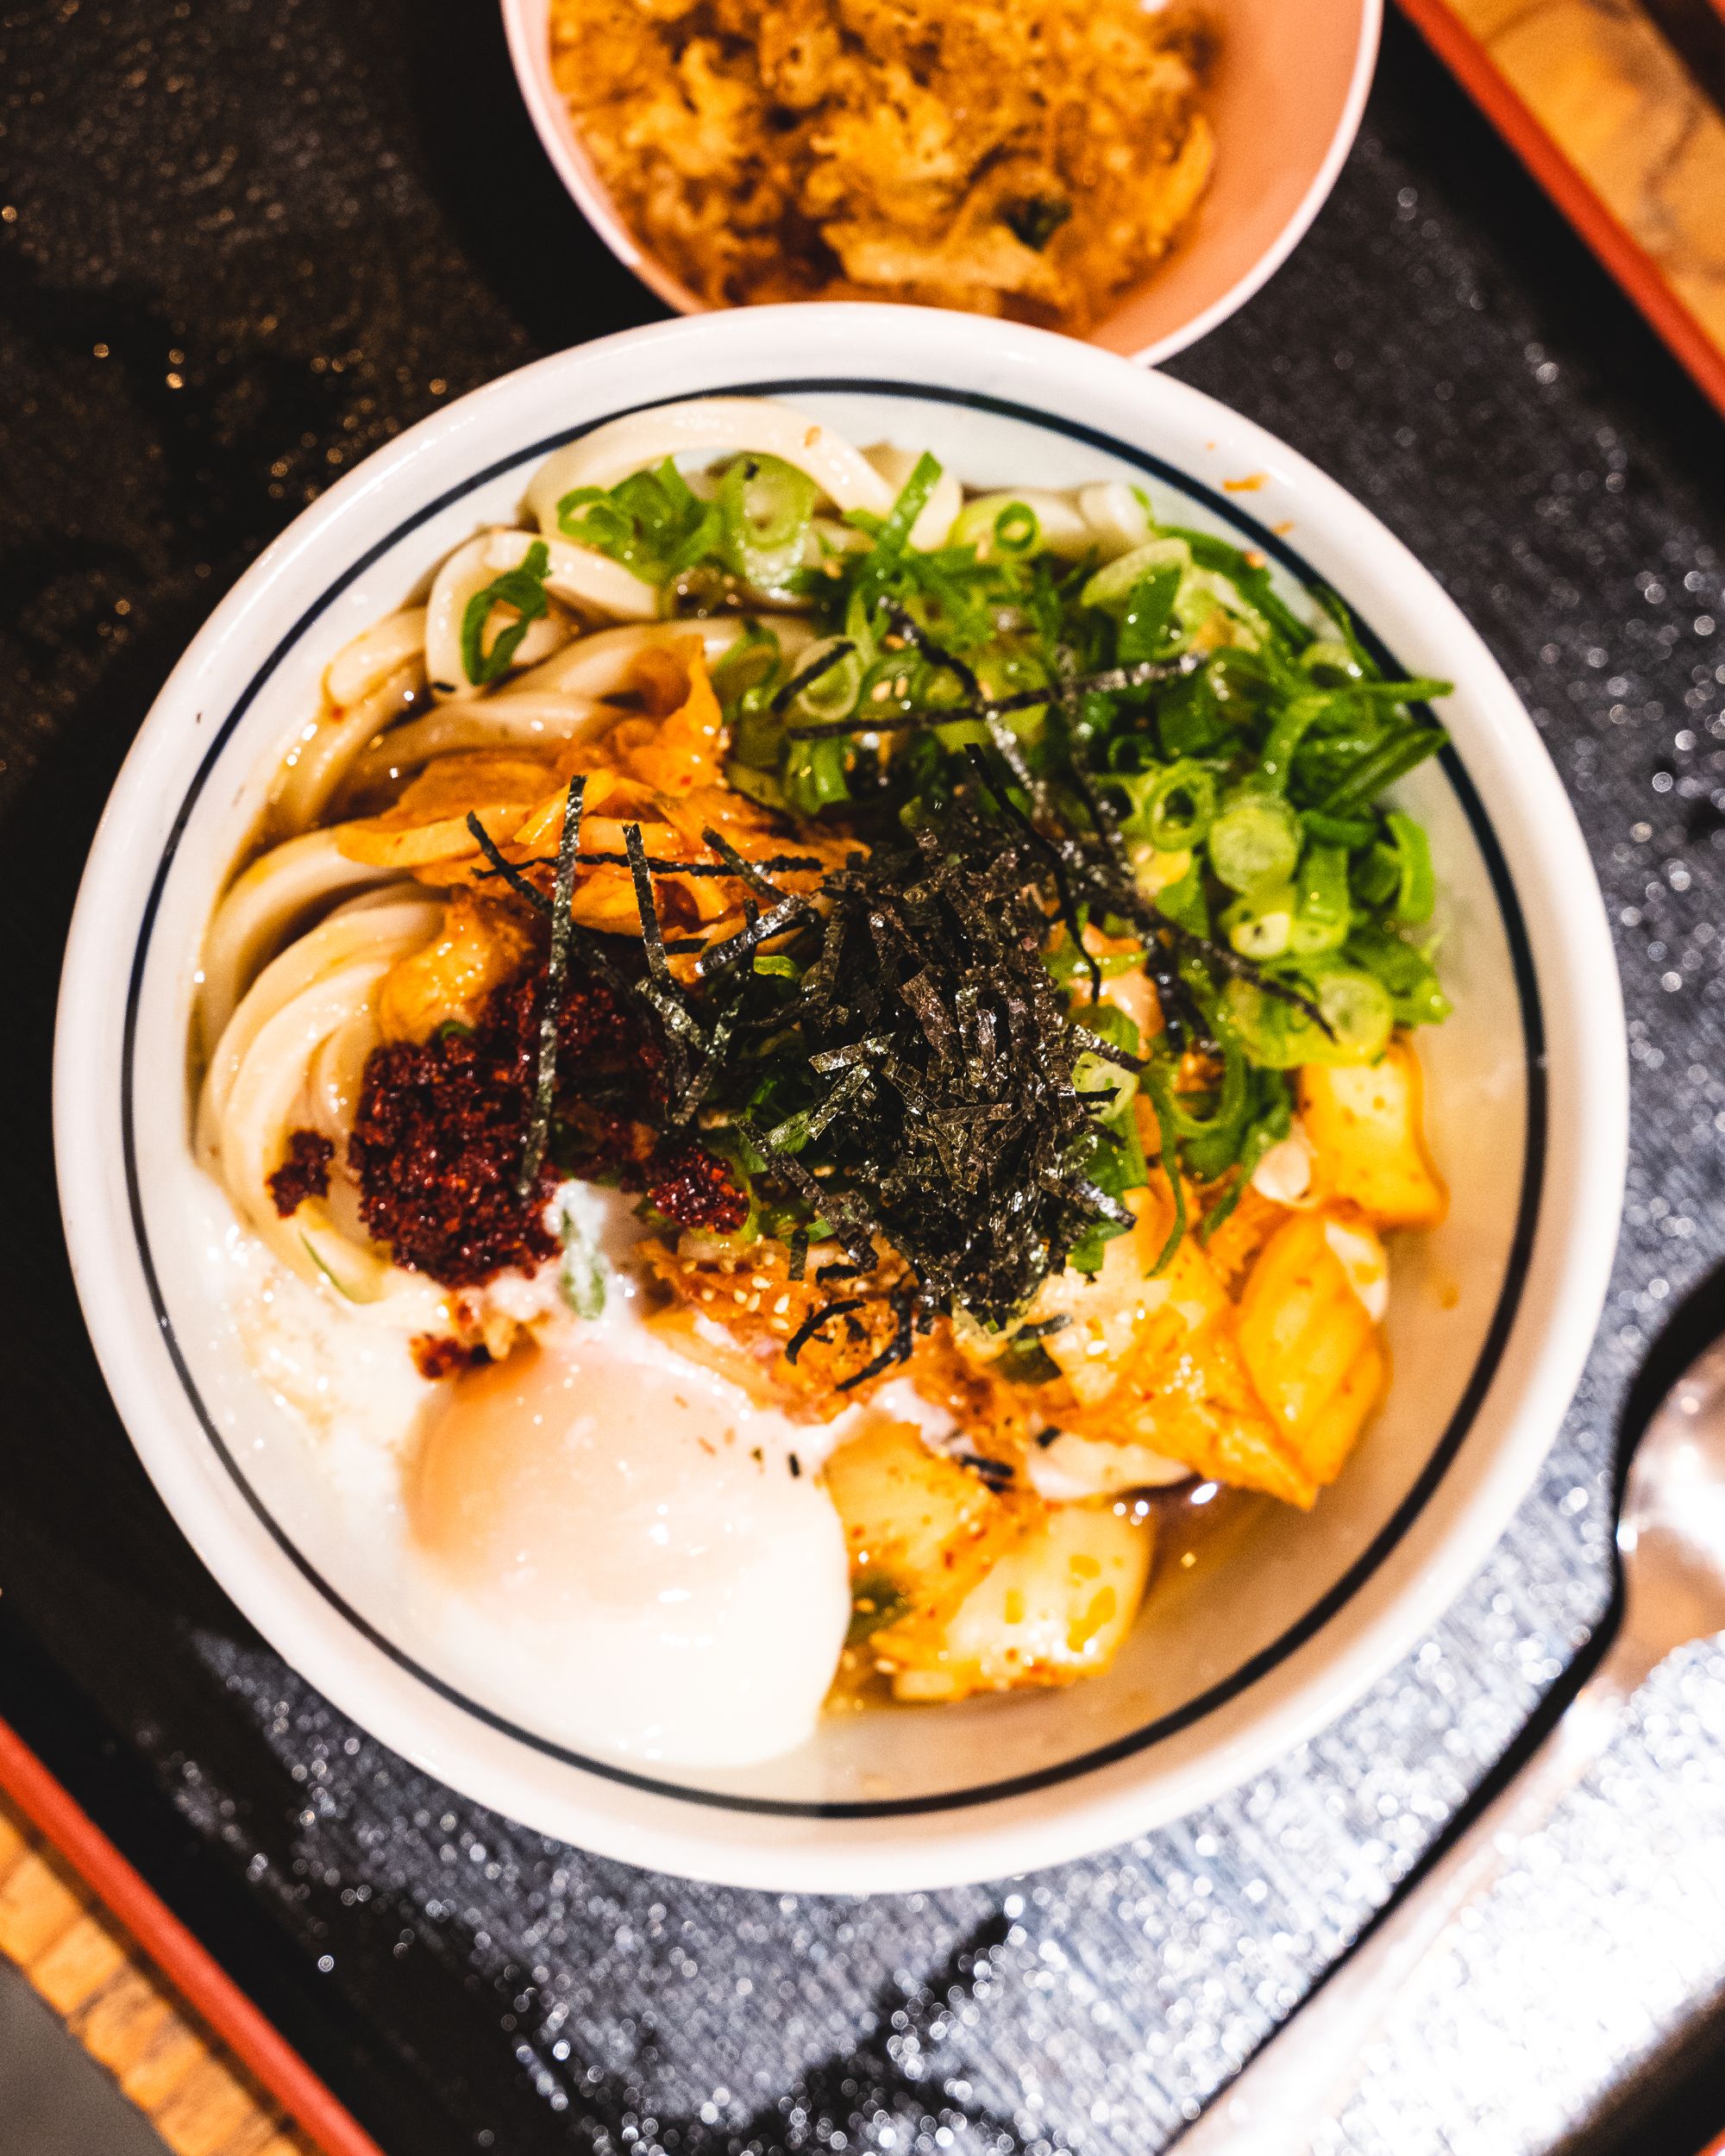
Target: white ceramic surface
x=1285 y=105
x=1490 y=1318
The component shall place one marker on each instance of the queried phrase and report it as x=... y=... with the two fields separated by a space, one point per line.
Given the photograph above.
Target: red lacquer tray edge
x=195 y=1974
x=1633 y=268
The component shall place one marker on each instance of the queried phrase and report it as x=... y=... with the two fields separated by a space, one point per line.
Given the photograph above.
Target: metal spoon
x=1671 y=1540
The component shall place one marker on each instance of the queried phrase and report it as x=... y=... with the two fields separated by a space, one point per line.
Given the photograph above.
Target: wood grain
x=1637 y=132
x=198 y=2097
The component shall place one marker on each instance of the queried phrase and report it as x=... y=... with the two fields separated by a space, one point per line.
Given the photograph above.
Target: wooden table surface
x=125 y=2013
x=1624 y=128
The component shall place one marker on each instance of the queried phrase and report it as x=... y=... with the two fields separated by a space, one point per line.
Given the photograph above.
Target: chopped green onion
x=1267 y=1127
x=1109 y=1087
x=653 y=522
x=582 y=1274
x=893 y=536
x=1259 y=925
x=1173 y=807
x=827 y=682
x=1183 y=901
x=1392 y=759
x=749 y=665
x=1161 y=1092
x=764 y=506
x=1356 y=1008
x=1149 y=607
x=1210 y=1142
x=1016 y=529
x=1255 y=839
x=1331 y=656
x=1275 y=761
x=1407 y=973
x=1113 y=586
x=814 y=777
x=1352 y=831
x=1416 y=887
x=523 y=588
x=1323 y=908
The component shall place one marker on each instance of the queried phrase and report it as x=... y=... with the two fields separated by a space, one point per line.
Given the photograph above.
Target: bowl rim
x=525 y=24
x=848 y=1848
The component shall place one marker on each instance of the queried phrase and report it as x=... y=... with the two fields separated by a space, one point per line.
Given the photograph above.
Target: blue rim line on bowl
x=1527 y=1216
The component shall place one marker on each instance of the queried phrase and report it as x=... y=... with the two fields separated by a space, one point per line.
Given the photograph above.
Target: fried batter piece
x=1033 y=158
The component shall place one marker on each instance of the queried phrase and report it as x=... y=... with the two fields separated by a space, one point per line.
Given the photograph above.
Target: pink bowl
x=1285 y=105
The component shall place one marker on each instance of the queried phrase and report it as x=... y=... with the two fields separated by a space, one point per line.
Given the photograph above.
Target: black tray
x=240 y=249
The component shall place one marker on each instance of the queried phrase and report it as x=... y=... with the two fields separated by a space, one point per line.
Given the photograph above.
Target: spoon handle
x=1298 y=2080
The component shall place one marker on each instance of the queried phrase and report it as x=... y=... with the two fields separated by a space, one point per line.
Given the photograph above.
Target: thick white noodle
x=708 y=426
x=263 y=907
x=372 y=930
x=462 y=578
x=1119 y=521
x=262 y=1106
x=366 y=661
x=337 y=1076
x=939 y=511
x=302 y=1067
x=490 y=722
x=580 y=576
x=314 y=768
x=601 y=664
x=385 y=894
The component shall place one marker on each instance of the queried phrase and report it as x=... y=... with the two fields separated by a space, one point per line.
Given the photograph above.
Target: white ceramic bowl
x=1490 y=1318
x=1285 y=105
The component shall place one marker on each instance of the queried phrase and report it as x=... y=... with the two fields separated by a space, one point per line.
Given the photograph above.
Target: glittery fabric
x=242 y=247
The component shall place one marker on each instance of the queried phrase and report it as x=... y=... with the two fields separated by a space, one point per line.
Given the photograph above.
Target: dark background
x=241 y=245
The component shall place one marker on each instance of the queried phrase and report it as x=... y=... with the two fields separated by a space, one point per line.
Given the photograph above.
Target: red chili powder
x=304 y=1173
x=437 y=1141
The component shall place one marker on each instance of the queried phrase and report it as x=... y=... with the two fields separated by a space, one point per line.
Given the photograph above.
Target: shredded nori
x=522 y=885
x=928 y=1017
x=816 y=1321
x=1112 y=680
x=805 y=864
x=557 y=964
x=835 y=656
x=897 y=1349
x=913 y=633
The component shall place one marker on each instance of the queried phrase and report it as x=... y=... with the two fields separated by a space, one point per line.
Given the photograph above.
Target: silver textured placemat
x=244 y=245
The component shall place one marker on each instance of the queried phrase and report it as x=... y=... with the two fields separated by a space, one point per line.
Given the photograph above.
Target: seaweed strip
x=748 y=871
x=849 y=1224
x=836 y=656
x=556 y=966
x=1244 y=968
x=936 y=654
x=660 y=988
x=717 y=956
x=817 y=1318
x=507 y=870
x=1111 y=681
x=897 y=1349
x=783 y=864
x=1109 y=1053
x=1069 y=903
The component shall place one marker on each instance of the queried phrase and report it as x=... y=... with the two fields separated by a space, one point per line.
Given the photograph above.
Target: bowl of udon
x=804 y=1091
